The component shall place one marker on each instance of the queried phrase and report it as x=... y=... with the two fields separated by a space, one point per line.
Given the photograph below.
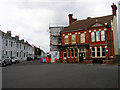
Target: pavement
x=33 y=74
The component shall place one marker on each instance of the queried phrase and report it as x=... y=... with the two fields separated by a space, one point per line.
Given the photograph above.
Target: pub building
x=90 y=40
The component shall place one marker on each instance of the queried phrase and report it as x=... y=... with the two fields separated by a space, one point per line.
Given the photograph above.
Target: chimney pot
x=70 y=15
x=17 y=37
x=114 y=8
x=88 y=17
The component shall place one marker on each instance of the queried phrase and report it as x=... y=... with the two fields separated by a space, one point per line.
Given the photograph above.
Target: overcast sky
x=30 y=19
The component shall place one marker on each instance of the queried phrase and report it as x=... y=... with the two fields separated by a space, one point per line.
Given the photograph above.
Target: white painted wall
x=29 y=50
x=54 y=55
x=0 y=45
x=119 y=22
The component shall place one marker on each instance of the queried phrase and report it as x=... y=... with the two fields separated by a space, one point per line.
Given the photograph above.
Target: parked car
x=29 y=58
x=15 y=60
x=37 y=57
x=5 y=61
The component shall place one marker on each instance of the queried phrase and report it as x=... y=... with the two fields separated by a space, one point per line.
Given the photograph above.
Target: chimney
x=17 y=37
x=88 y=17
x=9 y=33
x=70 y=18
x=114 y=8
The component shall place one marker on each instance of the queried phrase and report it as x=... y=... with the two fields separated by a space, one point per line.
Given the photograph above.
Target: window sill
x=98 y=57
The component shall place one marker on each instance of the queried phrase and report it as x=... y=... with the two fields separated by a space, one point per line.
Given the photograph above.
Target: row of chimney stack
x=9 y=34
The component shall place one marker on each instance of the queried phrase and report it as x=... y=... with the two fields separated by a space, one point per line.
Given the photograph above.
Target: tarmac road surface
x=32 y=74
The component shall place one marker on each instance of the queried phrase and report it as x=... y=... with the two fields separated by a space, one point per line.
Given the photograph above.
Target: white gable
x=97 y=25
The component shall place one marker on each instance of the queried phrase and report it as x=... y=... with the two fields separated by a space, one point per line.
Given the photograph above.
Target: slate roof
x=86 y=23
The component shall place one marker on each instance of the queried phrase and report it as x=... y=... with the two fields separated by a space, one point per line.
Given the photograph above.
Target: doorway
x=80 y=57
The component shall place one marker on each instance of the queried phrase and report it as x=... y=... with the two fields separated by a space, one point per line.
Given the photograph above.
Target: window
x=72 y=54
x=92 y=36
x=68 y=52
x=11 y=53
x=93 y=52
x=66 y=39
x=98 y=52
x=97 y=36
x=82 y=38
x=75 y=52
x=24 y=47
x=73 y=38
x=24 y=54
x=6 y=53
x=6 y=42
x=103 y=51
x=17 y=54
x=64 y=54
x=11 y=44
x=103 y=35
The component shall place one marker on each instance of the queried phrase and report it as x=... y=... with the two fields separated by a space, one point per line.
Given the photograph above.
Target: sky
x=30 y=19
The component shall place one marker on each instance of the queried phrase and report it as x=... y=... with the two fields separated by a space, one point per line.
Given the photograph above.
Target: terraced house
x=14 y=47
x=90 y=40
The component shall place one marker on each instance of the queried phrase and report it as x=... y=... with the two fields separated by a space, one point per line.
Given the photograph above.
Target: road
x=32 y=74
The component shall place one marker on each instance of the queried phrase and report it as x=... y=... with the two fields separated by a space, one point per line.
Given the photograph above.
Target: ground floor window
x=98 y=52
x=24 y=54
x=17 y=54
x=72 y=54
x=103 y=51
x=64 y=54
x=6 y=53
x=93 y=52
x=75 y=52
x=68 y=52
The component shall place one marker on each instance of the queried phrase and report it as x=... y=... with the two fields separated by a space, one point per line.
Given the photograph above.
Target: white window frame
x=68 y=53
x=73 y=36
x=65 y=37
x=76 y=52
x=97 y=36
x=102 y=35
x=92 y=37
x=92 y=52
x=82 y=38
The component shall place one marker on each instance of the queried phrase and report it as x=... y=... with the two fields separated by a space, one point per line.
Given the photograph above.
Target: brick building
x=90 y=40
